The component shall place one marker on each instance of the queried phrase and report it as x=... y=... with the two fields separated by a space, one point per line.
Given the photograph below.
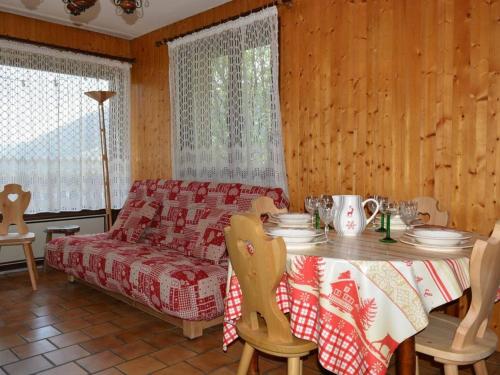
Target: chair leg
x=294 y=366
x=28 y=253
x=450 y=369
x=417 y=370
x=480 y=368
x=246 y=357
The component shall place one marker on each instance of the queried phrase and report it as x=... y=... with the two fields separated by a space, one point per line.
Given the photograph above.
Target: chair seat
x=260 y=341
x=16 y=238
x=436 y=339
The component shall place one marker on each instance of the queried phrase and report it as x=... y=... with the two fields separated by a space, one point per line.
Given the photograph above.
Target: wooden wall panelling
x=60 y=35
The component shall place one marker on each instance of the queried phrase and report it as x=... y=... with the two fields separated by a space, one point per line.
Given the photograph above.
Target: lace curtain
x=49 y=130
x=225 y=107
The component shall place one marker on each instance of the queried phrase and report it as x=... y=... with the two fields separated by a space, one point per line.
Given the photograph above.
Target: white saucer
x=412 y=241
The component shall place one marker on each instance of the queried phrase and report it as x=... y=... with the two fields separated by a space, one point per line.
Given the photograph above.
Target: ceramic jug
x=350 y=219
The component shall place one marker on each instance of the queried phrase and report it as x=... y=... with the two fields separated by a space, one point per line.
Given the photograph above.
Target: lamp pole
x=101 y=97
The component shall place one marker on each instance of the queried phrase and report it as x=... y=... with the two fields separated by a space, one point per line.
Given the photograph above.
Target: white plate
x=294 y=218
x=295 y=235
x=307 y=245
x=412 y=241
x=298 y=226
x=438 y=237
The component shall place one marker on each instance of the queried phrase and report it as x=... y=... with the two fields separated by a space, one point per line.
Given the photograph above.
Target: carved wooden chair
x=265 y=205
x=428 y=206
x=454 y=342
x=259 y=263
x=13 y=203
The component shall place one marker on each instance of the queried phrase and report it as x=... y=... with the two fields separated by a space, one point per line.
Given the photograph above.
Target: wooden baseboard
x=190 y=328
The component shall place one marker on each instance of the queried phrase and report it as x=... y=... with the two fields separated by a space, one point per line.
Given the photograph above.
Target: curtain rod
x=68 y=49
x=165 y=41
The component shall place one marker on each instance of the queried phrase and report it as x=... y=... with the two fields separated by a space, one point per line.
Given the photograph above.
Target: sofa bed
x=166 y=252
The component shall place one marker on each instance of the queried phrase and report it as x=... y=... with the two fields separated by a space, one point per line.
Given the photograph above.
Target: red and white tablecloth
x=358 y=311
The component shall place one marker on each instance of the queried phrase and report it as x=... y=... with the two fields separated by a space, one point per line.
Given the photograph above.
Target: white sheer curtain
x=49 y=130
x=225 y=107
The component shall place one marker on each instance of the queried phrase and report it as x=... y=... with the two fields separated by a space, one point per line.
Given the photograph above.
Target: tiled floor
x=70 y=329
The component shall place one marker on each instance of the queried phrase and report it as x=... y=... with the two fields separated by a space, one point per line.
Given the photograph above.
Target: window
x=49 y=130
x=226 y=123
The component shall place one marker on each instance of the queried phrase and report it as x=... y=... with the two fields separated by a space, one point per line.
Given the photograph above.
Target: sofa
x=166 y=252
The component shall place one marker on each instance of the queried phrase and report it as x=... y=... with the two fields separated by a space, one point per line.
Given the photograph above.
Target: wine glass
x=311 y=204
x=372 y=207
x=408 y=211
x=389 y=208
x=326 y=214
x=381 y=200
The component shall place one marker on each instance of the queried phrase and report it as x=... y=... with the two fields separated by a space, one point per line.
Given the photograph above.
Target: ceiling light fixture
x=77 y=7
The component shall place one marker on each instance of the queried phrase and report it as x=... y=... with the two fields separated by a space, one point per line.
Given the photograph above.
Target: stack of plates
x=296 y=220
x=298 y=238
x=438 y=238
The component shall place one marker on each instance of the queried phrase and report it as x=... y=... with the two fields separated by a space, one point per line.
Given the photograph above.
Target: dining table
x=360 y=299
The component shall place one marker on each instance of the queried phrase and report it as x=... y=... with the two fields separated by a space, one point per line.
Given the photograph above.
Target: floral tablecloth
x=359 y=300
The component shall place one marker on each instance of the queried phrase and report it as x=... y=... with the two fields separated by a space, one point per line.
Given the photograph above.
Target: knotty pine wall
x=394 y=97
x=46 y=32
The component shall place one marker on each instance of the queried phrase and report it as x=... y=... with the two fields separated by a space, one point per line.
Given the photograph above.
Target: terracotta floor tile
x=203 y=344
x=111 y=371
x=134 y=350
x=6 y=357
x=40 y=333
x=68 y=354
x=47 y=310
x=102 y=343
x=100 y=330
x=70 y=338
x=72 y=314
x=99 y=361
x=12 y=329
x=101 y=317
x=34 y=348
x=141 y=366
x=42 y=321
x=165 y=339
x=210 y=361
x=127 y=321
x=71 y=325
x=180 y=368
x=28 y=366
x=67 y=369
x=173 y=355
x=224 y=371
x=10 y=341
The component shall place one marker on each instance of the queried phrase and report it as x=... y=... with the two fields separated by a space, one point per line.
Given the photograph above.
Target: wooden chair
x=265 y=205
x=259 y=263
x=429 y=206
x=454 y=342
x=13 y=203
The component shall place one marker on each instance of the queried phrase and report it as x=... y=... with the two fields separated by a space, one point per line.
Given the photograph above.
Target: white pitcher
x=350 y=219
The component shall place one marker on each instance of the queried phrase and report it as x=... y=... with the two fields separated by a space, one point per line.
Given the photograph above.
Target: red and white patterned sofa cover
x=179 y=264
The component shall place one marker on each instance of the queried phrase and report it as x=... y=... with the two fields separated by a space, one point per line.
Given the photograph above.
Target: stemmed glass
x=408 y=211
x=388 y=209
x=381 y=201
x=326 y=213
x=312 y=205
x=372 y=207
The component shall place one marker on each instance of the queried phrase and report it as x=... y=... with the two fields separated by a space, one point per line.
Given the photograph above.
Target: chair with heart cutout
x=13 y=203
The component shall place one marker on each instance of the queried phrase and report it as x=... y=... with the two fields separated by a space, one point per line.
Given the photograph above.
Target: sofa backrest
x=194 y=214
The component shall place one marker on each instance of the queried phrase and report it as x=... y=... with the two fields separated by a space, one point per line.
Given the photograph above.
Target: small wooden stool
x=67 y=230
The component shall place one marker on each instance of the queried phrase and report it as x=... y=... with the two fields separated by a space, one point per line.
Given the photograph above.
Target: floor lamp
x=101 y=97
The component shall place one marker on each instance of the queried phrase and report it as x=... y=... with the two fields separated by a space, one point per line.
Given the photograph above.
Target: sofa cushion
x=165 y=280
x=133 y=219
x=211 y=243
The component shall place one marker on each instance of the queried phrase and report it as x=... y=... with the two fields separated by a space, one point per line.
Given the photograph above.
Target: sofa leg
x=192 y=329
x=71 y=278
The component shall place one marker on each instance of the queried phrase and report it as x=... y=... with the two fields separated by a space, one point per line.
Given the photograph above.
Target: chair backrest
x=265 y=205
x=259 y=264
x=485 y=279
x=429 y=206
x=13 y=210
